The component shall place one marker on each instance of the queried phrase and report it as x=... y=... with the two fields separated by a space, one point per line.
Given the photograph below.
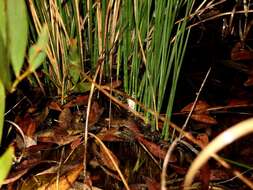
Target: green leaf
x=2 y=109
x=4 y=65
x=5 y=163
x=43 y=38
x=82 y=87
x=37 y=53
x=3 y=21
x=17 y=32
x=38 y=59
x=74 y=60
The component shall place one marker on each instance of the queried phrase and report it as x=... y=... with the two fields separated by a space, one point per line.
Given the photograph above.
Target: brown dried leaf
x=239 y=53
x=249 y=81
x=14 y=176
x=136 y=186
x=35 y=149
x=204 y=118
x=51 y=170
x=78 y=101
x=42 y=116
x=31 y=128
x=111 y=173
x=106 y=160
x=155 y=149
x=76 y=143
x=24 y=122
x=110 y=135
x=152 y=184
x=201 y=106
x=65 y=181
x=103 y=157
x=112 y=85
x=54 y=106
x=95 y=113
x=237 y=102
x=65 y=118
x=219 y=174
x=128 y=123
x=203 y=139
x=21 y=170
x=50 y=134
x=81 y=186
x=205 y=176
x=57 y=135
x=178 y=169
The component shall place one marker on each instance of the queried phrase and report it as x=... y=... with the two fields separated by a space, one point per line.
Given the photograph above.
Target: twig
x=227 y=137
x=166 y=162
x=6 y=113
x=150 y=154
x=112 y=160
x=87 y=124
x=195 y=102
x=174 y=144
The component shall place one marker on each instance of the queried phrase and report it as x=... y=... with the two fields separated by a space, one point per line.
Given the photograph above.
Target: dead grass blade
x=227 y=137
x=112 y=160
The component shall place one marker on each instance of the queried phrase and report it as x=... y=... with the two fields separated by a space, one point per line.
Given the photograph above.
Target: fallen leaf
x=29 y=141
x=128 y=123
x=81 y=186
x=201 y=106
x=65 y=118
x=249 y=81
x=31 y=128
x=152 y=184
x=239 y=53
x=57 y=135
x=136 y=186
x=202 y=139
x=95 y=113
x=65 y=181
x=113 y=85
x=110 y=135
x=35 y=149
x=21 y=169
x=178 y=169
x=51 y=170
x=24 y=122
x=55 y=169
x=103 y=157
x=219 y=174
x=155 y=149
x=238 y=102
x=53 y=105
x=14 y=176
x=77 y=101
x=74 y=144
x=205 y=176
x=110 y=173
x=204 y=118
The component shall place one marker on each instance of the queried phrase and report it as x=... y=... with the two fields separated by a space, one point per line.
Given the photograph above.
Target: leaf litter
x=49 y=154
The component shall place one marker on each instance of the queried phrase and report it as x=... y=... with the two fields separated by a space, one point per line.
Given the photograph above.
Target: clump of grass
x=137 y=41
x=154 y=46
